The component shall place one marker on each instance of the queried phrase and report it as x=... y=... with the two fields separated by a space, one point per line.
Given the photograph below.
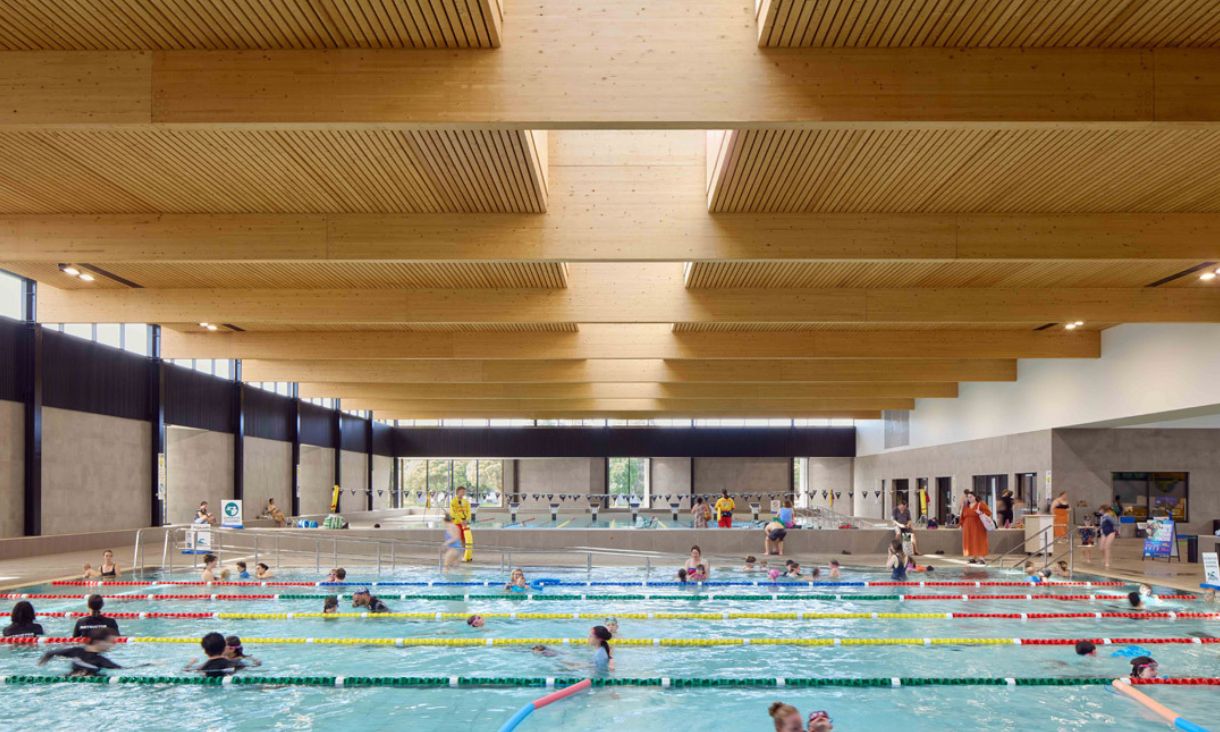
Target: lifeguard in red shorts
x=724 y=510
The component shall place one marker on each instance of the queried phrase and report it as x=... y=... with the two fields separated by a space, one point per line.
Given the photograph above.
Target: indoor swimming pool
x=705 y=640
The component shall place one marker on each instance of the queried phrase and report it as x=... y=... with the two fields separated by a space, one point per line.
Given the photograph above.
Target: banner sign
x=230 y=514
x=1160 y=538
x=1211 y=568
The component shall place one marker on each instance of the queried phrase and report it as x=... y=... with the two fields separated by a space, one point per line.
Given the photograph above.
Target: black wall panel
x=355 y=434
x=383 y=439
x=197 y=400
x=627 y=442
x=269 y=415
x=89 y=377
x=12 y=347
x=316 y=425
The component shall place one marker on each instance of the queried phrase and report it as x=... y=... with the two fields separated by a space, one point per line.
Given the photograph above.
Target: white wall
x=198 y=467
x=830 y=474
x=96 y=472
x=12 y=469
x=1143 y=369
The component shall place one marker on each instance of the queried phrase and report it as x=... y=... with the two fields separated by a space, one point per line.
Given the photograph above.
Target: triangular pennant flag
x=824 y=493
x=838 y=494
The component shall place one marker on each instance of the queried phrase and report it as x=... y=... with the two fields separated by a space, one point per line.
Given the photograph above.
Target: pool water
x=645 y=709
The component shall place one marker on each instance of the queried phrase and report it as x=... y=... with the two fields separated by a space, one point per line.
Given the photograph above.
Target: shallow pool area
x=692 y=645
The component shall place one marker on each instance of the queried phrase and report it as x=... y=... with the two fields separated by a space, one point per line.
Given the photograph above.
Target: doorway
x=989 y=487
x=944 y=499
x=901 y=491
x=1025 y=494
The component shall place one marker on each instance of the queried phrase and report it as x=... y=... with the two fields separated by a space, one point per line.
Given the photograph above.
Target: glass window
x=628 y=479
x=80 y=330
x=110 y=334
x=491 y=482
x=414 y=482
x=1145 y=495
x=440 y=480
x=10 y=296
x=224 y=368
x=135 y=338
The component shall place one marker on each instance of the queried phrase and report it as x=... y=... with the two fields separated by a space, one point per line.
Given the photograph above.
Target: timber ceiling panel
x=795 y=327
x=989 y=23
x=82 y=25
x=272 y=171
x=966 y=170
x=1123 y=273
x=407 y=327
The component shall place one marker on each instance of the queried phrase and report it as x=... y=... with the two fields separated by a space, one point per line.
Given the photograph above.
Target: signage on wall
x=1161 y=539
x=1211 y=568
x=230 y=514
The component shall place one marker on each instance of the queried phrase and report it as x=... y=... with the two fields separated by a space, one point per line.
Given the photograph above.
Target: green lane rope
x=537 y=681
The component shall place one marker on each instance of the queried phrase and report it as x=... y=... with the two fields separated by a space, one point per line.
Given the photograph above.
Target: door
x=944 y=499
x=1025 y=494
x=901 y=493
x=989 y=487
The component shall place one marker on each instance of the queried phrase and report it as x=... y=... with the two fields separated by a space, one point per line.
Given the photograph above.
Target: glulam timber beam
x=576 y=414
x=621 y=293
x=675 y=406
x=626 y=370
x=609 y=64
x=629 y=390
x=651 y=230
x=632 y=341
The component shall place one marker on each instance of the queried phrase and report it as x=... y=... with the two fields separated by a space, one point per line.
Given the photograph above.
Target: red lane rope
x=200 y=596
x=277 y=583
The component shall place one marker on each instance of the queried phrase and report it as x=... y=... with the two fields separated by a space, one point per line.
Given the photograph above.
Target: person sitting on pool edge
x=87 y=660
x=363 y=598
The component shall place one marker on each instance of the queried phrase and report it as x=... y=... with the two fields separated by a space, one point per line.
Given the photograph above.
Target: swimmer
x=819 y=722
x=1135 y=600
x=603 y=658
x=243 y=572
x=452 y=543
x=225 y=575
x=896 y=562
x=696 y=561
x=330 y=606
x=262 y=571
x=1145 y=590
x=90 y=573
x=209 y=568
x=1143 y=668
x=785 y=717
x=95 y=619
x=794 y=570
x=611 y=625
x=1209 y=597
x=235 y=652
x=541 y=650
x=338 y=574
x=108 y=568
x=476 y=621
x=834 y=569
x=913 y=567
x=216 y=665
x=1063 y=570
x=87 y=660
x=516 y=582
x=749 y=565
x=698 y=573
x=1086 y=648
x=815 y=572
x=21 y=622
x=363 y=598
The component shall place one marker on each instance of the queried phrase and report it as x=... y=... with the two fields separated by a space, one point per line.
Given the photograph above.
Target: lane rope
x=152 y=596
x=664 y=682
x=628 y=642
x=564 y=583
x=721 y=616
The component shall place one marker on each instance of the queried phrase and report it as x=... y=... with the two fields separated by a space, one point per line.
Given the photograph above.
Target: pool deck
x=1127 y=566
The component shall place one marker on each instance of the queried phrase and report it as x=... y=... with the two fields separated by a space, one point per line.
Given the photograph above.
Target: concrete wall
x=12 y=468
x=1144 y=369
x=829 y=474
x=95 y=472
x=198 y=467
x=317 y=479
x=355 y=477
x=1084 y=459
x=558 y=475
x=671 y=476
x=383 y=471
x=268 y=474
x=1028 y=452
x=743 y=475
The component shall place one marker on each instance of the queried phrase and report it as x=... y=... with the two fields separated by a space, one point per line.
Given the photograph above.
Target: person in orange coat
x=974 y=534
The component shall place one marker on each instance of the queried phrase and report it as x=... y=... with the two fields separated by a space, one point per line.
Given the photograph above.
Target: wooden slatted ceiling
x=277 y=171
x=796 y=327
x=1123 y=273
x=401 y=327
x=248 y=24
x=967 y=171
x=989 y=23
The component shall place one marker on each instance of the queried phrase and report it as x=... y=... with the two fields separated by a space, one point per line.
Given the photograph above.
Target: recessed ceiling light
x=1079 y=323
x=69 y=270
x=212 y=327
x=203 y=325
x=1207 y=276
x=1071 y=326
x=86 y=277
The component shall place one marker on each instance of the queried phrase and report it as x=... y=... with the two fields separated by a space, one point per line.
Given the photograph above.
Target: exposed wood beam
x=633 y=341
x=792 y=407
x=660 y=231
x=574 y=414
x=629 y=390
x=632 y=293
x=623 y=370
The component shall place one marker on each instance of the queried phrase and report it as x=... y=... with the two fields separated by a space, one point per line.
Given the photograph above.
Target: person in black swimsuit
x=363 y=598
x=95 y=619
x=216 y=665
x=87 y=660
x=108 y=568
x=21 y=622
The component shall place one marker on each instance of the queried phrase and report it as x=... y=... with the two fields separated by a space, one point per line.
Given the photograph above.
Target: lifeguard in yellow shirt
x=724 y=510
x=459 y=511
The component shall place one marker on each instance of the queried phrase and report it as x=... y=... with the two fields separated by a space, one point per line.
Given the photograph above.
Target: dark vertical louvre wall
x=89 y=377
x=383 y=439
x=269 y=416
x=355 y=434
x=11 y=345
x=197 y=400
x=317 y=425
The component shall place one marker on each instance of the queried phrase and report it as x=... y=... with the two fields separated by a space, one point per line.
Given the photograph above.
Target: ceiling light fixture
x=1073 y=325
x=69 y=270
x=203 y=325
x=212 y=327
x=1209 y=276
x=86 y=277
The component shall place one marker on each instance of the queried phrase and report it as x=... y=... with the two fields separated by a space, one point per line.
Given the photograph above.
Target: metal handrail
x=999 y=561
